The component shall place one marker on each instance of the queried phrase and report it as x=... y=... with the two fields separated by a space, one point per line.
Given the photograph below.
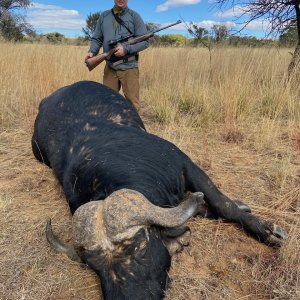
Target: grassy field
x=237 y=117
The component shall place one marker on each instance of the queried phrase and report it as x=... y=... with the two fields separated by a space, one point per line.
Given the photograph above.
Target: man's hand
x=88 y=55
x=119 y=51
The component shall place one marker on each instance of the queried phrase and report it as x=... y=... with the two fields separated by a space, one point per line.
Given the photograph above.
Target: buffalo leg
x=223 y=207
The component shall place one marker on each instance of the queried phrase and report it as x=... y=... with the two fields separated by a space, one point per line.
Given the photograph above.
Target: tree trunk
x=296 y=55
x=295 y=60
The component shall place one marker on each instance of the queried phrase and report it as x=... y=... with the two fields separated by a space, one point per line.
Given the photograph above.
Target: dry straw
x=237 y=118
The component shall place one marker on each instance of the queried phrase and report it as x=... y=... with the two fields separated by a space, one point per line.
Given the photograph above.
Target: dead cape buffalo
x=130 y=192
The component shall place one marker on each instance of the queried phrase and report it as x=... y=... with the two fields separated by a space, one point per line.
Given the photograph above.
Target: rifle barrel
x=165 y=27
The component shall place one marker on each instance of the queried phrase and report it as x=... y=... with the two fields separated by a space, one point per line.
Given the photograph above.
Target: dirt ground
x=221 y=262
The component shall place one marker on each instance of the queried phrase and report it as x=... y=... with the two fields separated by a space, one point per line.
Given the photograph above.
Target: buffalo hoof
x=276 y=235
x=241 y=205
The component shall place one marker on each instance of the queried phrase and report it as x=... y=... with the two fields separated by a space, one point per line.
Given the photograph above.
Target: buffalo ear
x=175 y=239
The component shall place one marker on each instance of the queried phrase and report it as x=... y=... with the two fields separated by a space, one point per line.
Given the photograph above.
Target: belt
x=125 y=60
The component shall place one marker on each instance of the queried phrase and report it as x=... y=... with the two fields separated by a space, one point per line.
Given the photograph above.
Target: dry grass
x=237 y=118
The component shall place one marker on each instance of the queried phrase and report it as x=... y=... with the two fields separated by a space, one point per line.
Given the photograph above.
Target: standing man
x=122 y=68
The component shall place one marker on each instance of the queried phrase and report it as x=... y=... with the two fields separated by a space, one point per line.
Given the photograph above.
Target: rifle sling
x=120 y=21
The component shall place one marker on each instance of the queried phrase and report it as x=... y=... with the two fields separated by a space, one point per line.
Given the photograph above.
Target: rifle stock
x=96 y=60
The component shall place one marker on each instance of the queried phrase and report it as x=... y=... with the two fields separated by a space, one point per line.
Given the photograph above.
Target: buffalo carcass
x=125 y=188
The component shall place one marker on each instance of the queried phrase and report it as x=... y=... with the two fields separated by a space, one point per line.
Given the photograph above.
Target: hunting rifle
x=94 y=61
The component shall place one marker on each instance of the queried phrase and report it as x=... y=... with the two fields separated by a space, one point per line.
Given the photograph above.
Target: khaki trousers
x=127 y=79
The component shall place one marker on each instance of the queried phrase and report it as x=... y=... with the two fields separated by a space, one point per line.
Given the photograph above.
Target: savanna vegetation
x=231 y=109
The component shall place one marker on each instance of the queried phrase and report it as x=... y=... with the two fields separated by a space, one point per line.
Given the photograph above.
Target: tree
x=220 y=32
x=279 y=14
x=54 y=37
x=172 y=39
x=152 y=26
x=13 y=25
x=289 y=38
x=198 y=32
x=91 y=23
x=201 y=35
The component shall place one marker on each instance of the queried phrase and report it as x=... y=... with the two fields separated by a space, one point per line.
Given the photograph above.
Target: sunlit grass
x=238 y=118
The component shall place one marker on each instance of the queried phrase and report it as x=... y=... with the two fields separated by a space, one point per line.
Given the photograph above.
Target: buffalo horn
x=102 y=224
x=125 y=209
x=176 y=216
x=59 y=245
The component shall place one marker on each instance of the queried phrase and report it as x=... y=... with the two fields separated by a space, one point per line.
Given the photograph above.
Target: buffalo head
x=125 y=240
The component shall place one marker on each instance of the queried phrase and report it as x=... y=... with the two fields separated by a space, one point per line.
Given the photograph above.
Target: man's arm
x=97 y=38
